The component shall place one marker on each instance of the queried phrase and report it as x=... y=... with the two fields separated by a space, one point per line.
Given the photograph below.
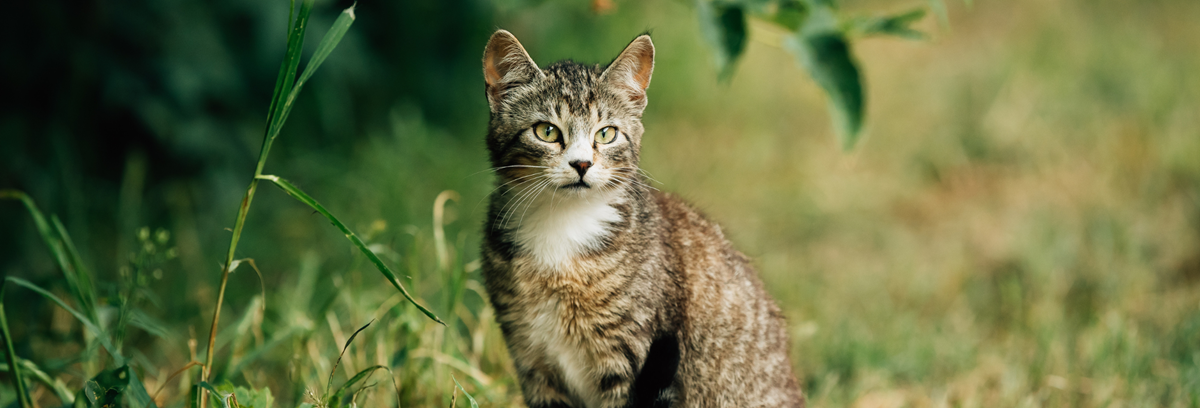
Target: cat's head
x=571 y=127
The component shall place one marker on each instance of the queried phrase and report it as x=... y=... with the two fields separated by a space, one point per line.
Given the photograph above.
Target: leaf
x=897 y=25
x=387 y=272
x=724 y=26
x=469 y=398
x=824 y=51
x=254 y=398
x=223 y=397
x=105 y=389
x=790 y=14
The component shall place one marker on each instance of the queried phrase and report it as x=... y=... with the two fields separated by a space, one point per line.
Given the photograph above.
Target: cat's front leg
x=541 y=388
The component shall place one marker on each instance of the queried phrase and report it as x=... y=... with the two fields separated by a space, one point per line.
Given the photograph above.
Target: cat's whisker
x=527 y=195
x=648 y=175
x=530 y=203
x=489 y=194
x=525 y=186
x=493 y=169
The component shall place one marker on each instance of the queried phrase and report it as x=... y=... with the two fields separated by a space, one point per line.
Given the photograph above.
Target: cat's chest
x=563 y=343
x=551 y=235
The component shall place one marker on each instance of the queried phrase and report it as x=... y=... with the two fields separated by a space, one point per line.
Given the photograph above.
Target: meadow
x=1019 y=225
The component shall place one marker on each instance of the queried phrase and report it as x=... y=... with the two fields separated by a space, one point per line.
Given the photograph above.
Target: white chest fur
x=553 y=232
x=567 y=350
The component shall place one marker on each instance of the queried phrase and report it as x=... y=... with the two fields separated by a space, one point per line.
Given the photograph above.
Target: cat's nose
x=581 y=166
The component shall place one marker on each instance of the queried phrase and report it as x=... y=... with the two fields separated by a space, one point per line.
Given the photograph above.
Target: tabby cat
x=610 y=293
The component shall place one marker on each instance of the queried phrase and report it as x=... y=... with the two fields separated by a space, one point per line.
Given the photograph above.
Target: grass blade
x=11 y=356
x=469 y=398
x=329 y=384
x=87 y=291
x=328 y=43
x=137 y=391
x=387 y=272
x=60 y=389
x=335 y=400
x=283 y=84
x=100 y=335
x=59 y=249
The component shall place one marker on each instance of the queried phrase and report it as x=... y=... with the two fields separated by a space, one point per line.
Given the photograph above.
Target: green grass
x=1019 y=226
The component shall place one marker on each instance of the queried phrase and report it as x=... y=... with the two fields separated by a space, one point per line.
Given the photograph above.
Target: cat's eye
x=546 y=132
x=606 y=135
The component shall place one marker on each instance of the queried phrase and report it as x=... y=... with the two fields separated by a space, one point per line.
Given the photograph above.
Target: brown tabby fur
x=635 y=299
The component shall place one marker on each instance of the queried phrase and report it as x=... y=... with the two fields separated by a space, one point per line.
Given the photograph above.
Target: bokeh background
x=1019 y=226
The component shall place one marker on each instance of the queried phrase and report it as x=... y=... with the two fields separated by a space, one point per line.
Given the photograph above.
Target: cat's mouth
x=576 y=185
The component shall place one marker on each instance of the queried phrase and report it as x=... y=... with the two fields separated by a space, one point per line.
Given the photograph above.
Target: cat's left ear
x=630 y=72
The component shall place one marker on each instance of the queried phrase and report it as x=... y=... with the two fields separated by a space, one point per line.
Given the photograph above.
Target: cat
x=608 y=292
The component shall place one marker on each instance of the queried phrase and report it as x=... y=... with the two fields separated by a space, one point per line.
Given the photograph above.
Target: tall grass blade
x=328 y=43
x=87 y=291
x=329 y=383
x=283 y=84
x=57 y=249
x=335 y=400
x=281 y=102
x=387 y=272
x=137 y=391
x=87 y=323
x=10 y=355
x=469 y=397
x=56 y=385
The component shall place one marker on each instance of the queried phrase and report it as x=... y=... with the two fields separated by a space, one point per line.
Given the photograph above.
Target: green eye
x=606 y=135
x=546 y=132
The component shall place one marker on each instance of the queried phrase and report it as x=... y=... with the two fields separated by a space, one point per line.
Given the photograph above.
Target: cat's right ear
x=506 y=65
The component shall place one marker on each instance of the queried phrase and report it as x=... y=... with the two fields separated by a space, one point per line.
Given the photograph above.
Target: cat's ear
x=630 y=72
x=506 y=65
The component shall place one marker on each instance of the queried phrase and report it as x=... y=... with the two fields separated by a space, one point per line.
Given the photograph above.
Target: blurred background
x=1019 y=226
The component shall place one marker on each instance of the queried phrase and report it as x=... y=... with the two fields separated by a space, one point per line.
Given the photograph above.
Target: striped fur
x=608 y=292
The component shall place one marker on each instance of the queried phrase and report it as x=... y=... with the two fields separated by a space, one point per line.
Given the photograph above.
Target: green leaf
x=254 y=398
x=790 y=15
x=105 y=389
x=387 y=272
x=469 y=398
x=724 y=26
x=897 y=25
x=824 y=51
x=223 y=397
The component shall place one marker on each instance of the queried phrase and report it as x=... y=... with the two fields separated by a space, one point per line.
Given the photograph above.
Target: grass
x=1018 y=227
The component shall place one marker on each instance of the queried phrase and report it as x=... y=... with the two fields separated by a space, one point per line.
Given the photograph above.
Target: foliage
x=820 y=39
